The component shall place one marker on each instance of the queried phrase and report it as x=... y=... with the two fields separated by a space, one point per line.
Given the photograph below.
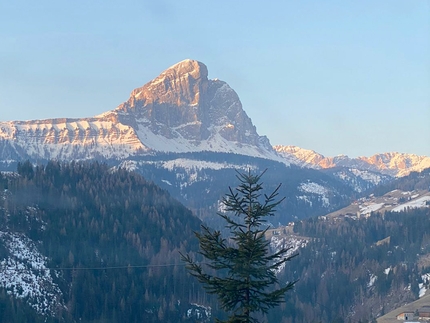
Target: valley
x=94 y=212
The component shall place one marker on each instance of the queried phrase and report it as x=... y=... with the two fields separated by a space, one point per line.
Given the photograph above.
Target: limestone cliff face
x=179 y=111
x=393 y=164
x=182 y=101
x=67 y=139
x=171 y=99
x=401 y=162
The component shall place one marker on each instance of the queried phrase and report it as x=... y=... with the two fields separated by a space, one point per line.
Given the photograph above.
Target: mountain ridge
x=389 y=163
x=181 y=110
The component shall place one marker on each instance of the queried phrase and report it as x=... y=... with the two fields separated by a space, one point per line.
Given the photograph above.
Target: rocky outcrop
x=393 y=164
x=68 y=139
x=402 y=163
x=299 y=156
x=183 y=102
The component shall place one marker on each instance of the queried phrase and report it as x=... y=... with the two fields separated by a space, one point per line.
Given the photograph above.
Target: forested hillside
x=82 y=242
x=353 y=270
x=414 y=181
x=200 y=180
x=110 y=241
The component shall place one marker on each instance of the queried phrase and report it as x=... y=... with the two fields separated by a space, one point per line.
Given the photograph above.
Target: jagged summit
x=179 y=85
x=167 y=99
x=193 y=112
x=393 y=163
x=300 y=156
x=181 y=110
x=188 y=66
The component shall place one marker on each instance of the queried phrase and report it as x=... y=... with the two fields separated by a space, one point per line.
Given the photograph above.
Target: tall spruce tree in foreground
x=245 y=273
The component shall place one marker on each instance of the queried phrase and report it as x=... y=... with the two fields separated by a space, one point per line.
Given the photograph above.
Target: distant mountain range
x=189 y=134
x=179 y=111
x=393 y=164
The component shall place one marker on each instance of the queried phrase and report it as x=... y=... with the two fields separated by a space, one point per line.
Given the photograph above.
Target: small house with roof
x=424 y=312
x=405 y=316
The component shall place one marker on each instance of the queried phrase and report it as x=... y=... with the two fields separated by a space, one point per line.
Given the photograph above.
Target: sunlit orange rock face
x=181 y=110
x=395 y=164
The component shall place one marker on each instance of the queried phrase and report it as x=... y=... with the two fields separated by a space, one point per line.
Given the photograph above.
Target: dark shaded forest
x=89 y=216
x=356 y=270
x=414 y=181
x=201 y=189
x=112 y=238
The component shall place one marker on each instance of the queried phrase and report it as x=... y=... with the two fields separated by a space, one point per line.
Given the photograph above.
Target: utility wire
x=90 y=268
x=85 y=268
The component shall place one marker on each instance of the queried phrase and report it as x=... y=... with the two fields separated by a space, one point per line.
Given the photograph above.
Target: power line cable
x=92 y=268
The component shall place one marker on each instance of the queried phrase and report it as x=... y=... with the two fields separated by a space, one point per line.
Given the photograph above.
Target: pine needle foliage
x=245 y=278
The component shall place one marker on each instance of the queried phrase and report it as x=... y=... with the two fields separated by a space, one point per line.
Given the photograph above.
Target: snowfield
x=24 y=275
x=367 y=209
x=279 y=242
x=418 y=203
x=315 y=188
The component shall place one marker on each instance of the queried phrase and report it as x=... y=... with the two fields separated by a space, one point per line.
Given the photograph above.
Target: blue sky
x=337 y=77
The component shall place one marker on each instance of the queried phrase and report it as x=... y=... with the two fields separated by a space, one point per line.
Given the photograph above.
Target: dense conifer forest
x=87 y=217
x=353 y=270
x=111 y=242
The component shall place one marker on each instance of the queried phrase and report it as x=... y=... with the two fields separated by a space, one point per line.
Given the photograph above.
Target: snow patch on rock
x=24 y=275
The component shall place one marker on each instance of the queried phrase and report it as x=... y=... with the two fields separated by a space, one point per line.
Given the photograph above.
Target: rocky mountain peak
x=300 y=156
x=180 y=85
x=183 y=104
x=179 y=111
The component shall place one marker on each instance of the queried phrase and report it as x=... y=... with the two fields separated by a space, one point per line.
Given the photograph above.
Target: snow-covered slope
x=395 y=201
x=179 y=111
x=393 y=164
x=24 y=275
x=68 y=139
x=402 y=163
x=359 y=180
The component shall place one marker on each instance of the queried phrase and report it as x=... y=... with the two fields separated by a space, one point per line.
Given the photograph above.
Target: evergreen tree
x=243 y=274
